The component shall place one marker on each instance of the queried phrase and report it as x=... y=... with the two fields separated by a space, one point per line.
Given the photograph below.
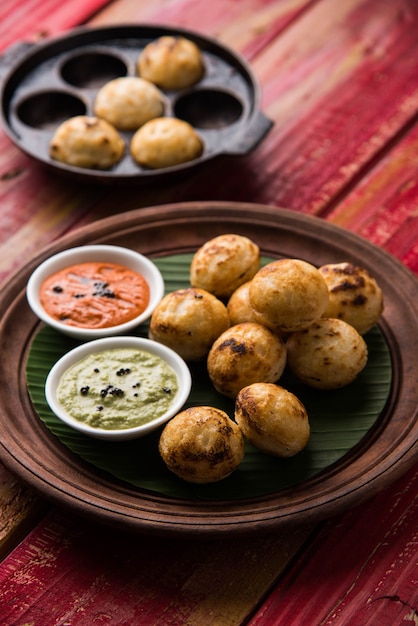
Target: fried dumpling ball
x=202 y=445
x=354 y=295
x=188 y=321
x=273 y=419
x=89 y=142
x=289 y=294
x=171 y=62
x=164 y=142
x=239 y=308
x=224 y=263
x=244 y=354
x=128 y=102
x=327 y=355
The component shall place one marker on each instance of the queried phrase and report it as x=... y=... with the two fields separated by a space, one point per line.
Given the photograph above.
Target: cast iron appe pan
x=44 y=84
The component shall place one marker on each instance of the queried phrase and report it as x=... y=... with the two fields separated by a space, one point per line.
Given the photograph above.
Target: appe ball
x=273 y=419
x=165 y=142
x=224 y=263
x=171 y=62
x=238 y=306
x=244 y=354
x=202 y=445
x=88 y=142
x=128 y=102
x=240 y=310
x=354 y=295
x=327 y=355
x=188 y=321
x=289 y=293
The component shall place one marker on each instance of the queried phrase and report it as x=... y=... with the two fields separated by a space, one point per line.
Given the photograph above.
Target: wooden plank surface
x=31 y=21
x=68 y=571
x=382 y=207
x=35 y=20
x=360 y=570
x=20 y=509
x=368 y=99
x=342 y=89
x=339 y=86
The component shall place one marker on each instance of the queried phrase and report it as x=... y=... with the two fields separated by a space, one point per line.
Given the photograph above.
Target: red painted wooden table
x=340 y=83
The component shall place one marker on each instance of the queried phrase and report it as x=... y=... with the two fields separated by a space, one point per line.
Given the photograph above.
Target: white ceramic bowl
x=82 y=254
x=147 y=345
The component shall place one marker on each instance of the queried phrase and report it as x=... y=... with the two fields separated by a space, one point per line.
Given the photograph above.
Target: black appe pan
x=50 y=82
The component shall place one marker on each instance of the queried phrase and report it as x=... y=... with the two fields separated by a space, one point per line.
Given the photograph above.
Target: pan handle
x=255 y=132
x=12 y=55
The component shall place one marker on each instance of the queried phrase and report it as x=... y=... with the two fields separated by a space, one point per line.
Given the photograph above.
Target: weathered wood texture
x=68 y=572
x=20 y=509
x=35 y=20
x=32 y=20
x=361 y=570
x=341 y=85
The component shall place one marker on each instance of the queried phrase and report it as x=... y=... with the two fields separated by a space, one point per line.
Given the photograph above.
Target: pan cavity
x=209 y=108
x=45 y=110
x=92 y=70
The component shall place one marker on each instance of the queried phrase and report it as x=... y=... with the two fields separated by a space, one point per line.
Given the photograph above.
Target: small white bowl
x=147 y=345
x=102 y=253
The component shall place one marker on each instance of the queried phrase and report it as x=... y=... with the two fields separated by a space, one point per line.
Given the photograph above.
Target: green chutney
x=118 y=388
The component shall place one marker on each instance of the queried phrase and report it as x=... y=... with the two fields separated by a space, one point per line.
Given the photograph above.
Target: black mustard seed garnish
x=123 y=371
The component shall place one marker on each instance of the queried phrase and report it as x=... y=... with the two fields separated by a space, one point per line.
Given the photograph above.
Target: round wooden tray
x=29 y=449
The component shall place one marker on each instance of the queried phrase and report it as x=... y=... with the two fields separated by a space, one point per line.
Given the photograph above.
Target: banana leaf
x=339 y=419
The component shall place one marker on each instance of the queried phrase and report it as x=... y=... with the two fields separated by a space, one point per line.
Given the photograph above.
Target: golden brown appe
x=239 y=308
x=224 y=263
x=202 y=445
x=171 y=62
x=164 y=142
x=327 y=355
x=273 y=419
x=88 y=142
x=128 y=102
x=354 y=295
x=289 y=293
x=244 y=354
x=188 y=321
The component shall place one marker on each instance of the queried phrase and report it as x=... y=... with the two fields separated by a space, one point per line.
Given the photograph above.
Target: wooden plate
x=29 y=449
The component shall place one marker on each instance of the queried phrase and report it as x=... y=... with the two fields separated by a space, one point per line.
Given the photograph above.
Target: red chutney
x=94 y=295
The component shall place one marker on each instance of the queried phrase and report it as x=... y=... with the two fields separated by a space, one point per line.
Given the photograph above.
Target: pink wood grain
x=22 y=213
x=68 y=571
x=247 y=25
x=381 y=206
x=341 y=86
x=361 y=570
x=19 y=510
x=342 y=98
x=34 y=20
